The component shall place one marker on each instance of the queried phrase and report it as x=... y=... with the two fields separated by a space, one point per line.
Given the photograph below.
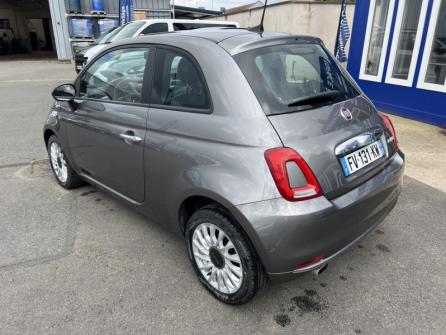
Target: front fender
x=53 y=125
x=52 y=121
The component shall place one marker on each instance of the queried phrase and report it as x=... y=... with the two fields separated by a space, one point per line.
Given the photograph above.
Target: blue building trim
x=411 y=102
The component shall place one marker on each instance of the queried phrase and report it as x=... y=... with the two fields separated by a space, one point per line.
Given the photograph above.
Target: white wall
x=297 y=17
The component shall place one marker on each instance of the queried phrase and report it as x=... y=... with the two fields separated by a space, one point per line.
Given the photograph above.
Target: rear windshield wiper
x=315 y=99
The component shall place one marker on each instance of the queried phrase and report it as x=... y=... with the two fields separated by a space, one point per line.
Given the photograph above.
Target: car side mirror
x=65 y=92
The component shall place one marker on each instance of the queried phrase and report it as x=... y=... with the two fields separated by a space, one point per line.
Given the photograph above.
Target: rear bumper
x=286 y=234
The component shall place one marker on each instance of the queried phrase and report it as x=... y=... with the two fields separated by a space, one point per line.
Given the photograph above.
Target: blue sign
x=125 y=11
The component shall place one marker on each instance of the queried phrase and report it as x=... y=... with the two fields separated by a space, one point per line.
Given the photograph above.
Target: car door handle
x=129 y=139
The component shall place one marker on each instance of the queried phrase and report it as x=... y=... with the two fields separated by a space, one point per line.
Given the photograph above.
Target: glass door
x=376 y=39
x=405 y=47
x=433 y=66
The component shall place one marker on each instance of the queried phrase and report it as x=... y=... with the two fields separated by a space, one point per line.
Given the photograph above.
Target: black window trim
x=209 y=110
x=147 y=80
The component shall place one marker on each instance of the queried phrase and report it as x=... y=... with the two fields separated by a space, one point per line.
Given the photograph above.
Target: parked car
x=145 y=27
x=258 y=148
x=79 y=57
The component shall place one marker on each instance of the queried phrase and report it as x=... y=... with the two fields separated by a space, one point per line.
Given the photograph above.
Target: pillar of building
x=60 y=28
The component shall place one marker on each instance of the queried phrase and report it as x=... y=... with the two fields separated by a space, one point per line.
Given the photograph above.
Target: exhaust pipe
x=318 y=271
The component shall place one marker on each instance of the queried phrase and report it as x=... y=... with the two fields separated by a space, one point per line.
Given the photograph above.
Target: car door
x=107 y=128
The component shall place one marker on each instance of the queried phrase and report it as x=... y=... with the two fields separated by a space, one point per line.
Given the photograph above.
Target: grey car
x=258 y=148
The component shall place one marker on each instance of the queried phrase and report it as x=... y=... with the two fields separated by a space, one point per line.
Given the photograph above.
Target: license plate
x=362 y=157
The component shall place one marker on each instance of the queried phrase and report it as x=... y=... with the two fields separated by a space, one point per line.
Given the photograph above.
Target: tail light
x=277 y=160
x=390 y=127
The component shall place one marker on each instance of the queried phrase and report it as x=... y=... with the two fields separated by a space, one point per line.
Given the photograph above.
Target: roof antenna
x=259 y=29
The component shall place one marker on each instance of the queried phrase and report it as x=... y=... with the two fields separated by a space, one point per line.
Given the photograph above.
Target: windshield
x=127 y=31
x=294 y=77
x=105 y=38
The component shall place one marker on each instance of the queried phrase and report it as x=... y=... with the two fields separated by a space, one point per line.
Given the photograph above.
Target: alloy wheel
x=58 y=162
x=217 y=258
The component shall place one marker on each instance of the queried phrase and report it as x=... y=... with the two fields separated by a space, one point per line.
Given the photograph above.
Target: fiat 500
x=258 y=148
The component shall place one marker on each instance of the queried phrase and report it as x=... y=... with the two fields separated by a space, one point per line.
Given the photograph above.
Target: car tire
x=61 y=167
x=239 y=262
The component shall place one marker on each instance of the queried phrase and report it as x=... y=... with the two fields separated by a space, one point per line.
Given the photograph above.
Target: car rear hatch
x=318 y=111
x=323 y=137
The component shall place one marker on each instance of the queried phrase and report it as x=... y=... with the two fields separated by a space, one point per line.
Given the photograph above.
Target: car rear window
x=282 y=75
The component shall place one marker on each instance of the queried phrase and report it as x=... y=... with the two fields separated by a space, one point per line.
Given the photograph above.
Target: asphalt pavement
x=81 y=262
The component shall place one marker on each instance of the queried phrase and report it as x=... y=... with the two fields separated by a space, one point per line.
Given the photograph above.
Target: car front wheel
x=62 y=170
x=222 y=256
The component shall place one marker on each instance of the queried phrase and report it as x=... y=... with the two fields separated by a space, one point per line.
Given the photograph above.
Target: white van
x=145 y=27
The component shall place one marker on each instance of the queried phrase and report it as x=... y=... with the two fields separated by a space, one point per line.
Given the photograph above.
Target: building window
x=376 y=39
x=406 y=41
x=433 y=66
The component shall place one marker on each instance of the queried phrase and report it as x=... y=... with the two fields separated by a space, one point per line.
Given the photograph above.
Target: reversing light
x=390 y=127
x=276 y=159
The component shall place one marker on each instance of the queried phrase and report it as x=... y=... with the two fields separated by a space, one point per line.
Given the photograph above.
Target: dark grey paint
x=294 y=232
x=220 y=155
x=315 y=135
x=93 y=132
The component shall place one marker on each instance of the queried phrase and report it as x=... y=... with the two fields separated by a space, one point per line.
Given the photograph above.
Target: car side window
x=189 y=26
x=154 y=28
x=178 y=81
x=182 y=26
x=116 y=76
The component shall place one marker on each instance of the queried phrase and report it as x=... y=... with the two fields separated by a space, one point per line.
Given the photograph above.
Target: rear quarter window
x=178 y=82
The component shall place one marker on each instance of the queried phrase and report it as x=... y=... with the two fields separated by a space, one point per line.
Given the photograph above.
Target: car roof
x=217 y=35
x=233 y=40
x=188 y=21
